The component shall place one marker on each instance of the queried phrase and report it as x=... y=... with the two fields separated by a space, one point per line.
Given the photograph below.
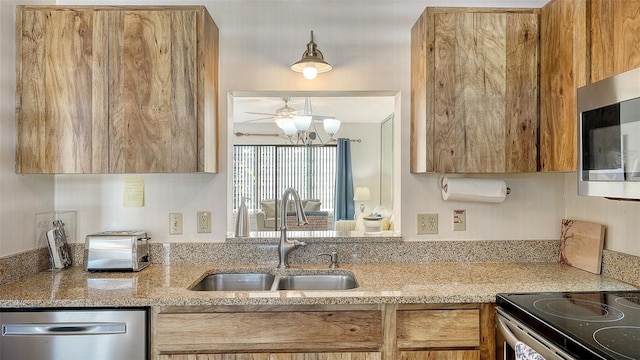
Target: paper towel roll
x=475 y=190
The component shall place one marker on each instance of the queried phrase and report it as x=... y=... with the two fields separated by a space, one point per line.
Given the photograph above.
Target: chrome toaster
x=116 y=251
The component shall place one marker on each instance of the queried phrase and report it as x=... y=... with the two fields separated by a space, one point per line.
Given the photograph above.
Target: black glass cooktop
x=588 y=325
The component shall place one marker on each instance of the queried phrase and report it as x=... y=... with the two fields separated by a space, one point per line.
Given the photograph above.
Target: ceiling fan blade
x=252 y=120
x=259 y=113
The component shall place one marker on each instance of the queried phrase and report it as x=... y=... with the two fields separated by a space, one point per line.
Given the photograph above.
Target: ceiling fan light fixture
x=312 y=62
x=279 y=120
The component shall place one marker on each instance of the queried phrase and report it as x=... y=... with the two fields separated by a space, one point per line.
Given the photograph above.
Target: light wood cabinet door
x=615 y=44
x=277 y=356
x=440 y=355
x=61 y=94
x=420 y=329
x=268 y=332
x=479 y=73
x=117 y=90
x=563 y=68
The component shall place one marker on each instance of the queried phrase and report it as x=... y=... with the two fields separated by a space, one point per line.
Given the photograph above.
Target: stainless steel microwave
x=609 y=137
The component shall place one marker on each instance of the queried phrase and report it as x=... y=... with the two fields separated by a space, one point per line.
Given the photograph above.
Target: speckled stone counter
x=160 y=285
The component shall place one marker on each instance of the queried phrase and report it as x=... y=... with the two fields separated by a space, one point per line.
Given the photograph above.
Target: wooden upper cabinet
x=582 y=41
x=563 y=68
x=116 y=90
x=474 y=91
x=61 y=91
x=615 y=43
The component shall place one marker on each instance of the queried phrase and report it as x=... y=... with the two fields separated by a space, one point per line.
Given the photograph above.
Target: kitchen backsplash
x=385 y=250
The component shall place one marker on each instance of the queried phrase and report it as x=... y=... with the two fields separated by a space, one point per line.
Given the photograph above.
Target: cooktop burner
x=620 y=340
x=629 y=301
x=577 y=309
x=588 y=325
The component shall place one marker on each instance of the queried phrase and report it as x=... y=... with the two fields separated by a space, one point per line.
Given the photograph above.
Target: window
x=263 y=172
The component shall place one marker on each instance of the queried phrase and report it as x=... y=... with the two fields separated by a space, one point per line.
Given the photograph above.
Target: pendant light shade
x=302 y=122
x=312 y=62
x=331 y=126
x=289 y=128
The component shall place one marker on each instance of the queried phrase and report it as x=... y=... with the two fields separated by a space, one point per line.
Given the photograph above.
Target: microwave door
x=630 y=133
x=602 y=144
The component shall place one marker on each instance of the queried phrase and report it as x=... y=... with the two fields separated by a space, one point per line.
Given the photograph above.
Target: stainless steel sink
x=266 y=282
x=317 y=282
x=235 y=282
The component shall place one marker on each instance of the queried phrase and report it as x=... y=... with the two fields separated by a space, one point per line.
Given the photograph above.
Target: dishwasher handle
x=64 y=329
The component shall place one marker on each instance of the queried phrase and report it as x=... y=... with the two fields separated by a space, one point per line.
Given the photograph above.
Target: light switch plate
x=175 y=223
x=427 y=224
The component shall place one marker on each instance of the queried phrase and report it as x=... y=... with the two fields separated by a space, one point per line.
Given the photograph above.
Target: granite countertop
x=160 y=285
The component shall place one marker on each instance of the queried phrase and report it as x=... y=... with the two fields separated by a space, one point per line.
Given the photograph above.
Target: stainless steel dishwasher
x=83 y=334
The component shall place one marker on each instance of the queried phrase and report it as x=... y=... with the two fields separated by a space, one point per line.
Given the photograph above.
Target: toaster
x=116 y=251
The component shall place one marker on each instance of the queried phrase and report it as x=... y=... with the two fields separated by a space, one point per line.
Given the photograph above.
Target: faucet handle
x=334 y=259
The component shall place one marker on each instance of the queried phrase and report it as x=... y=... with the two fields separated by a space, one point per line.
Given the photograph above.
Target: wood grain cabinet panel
x=61 y=91
x=276 y=356
x=478 y=70
x=615 y=44
x=440 y=355
x=438 y=328
x=563 y=68
x=269 y=331
x=116 y=90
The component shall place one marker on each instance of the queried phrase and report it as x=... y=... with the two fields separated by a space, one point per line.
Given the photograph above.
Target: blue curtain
x=344 y=208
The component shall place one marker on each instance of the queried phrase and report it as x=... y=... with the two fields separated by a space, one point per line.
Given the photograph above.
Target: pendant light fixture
x=298 y=130
x=312 y=62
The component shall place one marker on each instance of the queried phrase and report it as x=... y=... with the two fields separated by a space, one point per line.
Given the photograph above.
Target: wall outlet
x=427 y=224
x=204 y=221
x=175 y=223
x=459 y=220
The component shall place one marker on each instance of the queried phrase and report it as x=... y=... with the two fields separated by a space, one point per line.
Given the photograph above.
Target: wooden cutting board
x=581 y=245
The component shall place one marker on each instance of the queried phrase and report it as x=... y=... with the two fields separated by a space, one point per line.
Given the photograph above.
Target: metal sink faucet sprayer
x=286 y=246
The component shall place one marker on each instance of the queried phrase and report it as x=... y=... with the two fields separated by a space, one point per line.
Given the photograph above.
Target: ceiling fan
x=300 y=126
x=282 y=114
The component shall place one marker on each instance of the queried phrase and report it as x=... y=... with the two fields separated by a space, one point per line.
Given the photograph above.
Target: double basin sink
x=270 y=282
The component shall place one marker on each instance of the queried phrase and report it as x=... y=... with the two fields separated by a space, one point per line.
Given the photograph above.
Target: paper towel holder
x=443 y=186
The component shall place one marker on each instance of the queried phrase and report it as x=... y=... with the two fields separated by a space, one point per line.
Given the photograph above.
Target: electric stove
x=586 y=325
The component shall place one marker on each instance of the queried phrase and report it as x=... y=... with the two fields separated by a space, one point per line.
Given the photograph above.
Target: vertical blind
x=263 y=172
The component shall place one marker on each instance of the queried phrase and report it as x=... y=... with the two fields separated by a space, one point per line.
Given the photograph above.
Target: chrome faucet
x=286 y=246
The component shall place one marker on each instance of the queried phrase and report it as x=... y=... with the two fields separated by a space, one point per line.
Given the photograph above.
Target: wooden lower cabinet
x=276 y=356
x=325 y=332
x=440 y=355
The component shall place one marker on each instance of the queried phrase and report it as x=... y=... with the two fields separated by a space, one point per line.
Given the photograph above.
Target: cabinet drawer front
x=438 y=328
x=439 y=355
x=267 y=331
